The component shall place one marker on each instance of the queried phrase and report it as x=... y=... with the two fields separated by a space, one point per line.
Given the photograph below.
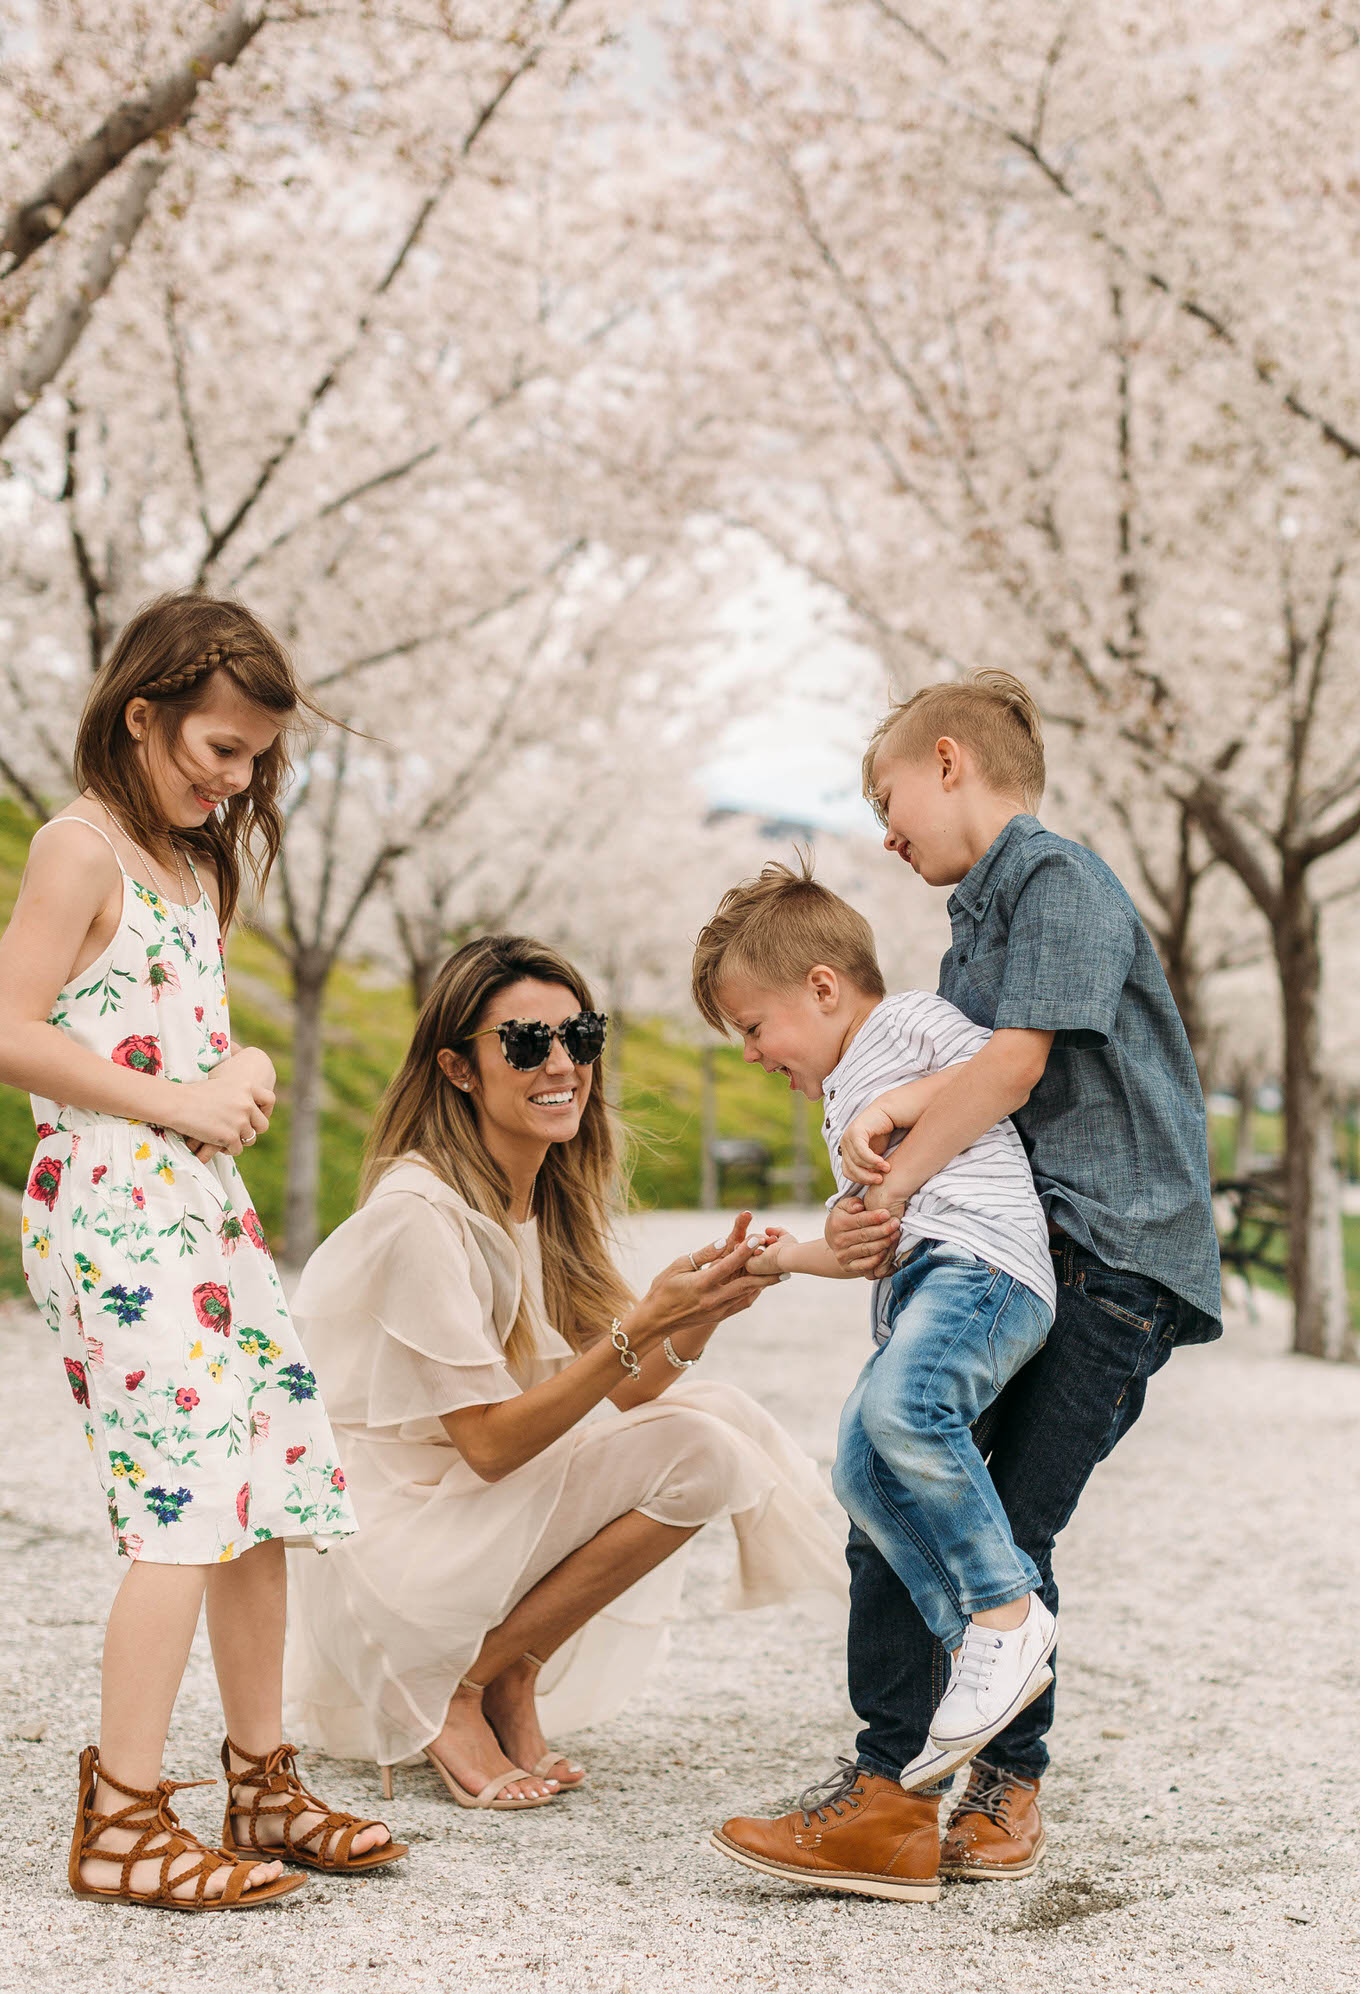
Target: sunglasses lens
x=526 y=1045
x=583 y=1037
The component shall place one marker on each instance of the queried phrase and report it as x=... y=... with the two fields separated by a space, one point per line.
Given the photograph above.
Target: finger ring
x=695 y=1265
x=248 y=1138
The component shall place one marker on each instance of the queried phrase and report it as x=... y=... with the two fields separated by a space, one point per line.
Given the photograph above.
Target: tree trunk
x=1244 y=1128
x=800 y=1188
x=311 y=973
x=1186 y=985
x=708 y=1129
x=1317 y=1275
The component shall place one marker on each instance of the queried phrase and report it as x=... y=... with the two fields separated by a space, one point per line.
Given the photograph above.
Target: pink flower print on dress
x=253 y=1230
x=94 y=1350
x=186 y=1398
x=198 y=1014
x=45 y=1182
x=218 y=1041
x=212 y=1306
x=45 y=1129
x=259 y=1428
x=243 y=1504
x=141 y=1051
x=337 y=1478
x=139 y=1197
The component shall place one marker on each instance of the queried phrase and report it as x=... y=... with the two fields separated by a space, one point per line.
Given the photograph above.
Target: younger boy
x=969 y=1299
x=1088 y=1054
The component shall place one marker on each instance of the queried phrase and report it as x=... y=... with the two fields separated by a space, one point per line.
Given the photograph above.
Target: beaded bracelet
x=628 y=1357
x=673 y=1357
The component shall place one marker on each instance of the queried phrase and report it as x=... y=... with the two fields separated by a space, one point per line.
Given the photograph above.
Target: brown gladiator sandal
x=276 y=1791
x=160 y=1836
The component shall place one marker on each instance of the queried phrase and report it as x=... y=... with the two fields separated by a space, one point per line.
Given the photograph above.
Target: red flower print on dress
x=218 y=1041
x=243 y=1504
x=186 y=1398
x=198 y=1014
x=133 y=1379
x=294 y=1454
x=76 y=1379
x=337 y=1478
x=45 y=1129
x=45 y=1181
x=141 y=1051
x=139 y=1197
x=100 y=1171
x=253 y=1230
x=212 y=1306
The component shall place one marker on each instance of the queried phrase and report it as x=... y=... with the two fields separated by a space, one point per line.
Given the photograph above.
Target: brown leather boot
x=995 y=1831
x=856 y=1831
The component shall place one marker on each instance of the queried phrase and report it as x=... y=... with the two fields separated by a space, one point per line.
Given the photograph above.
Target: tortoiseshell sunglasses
x=527 y=1042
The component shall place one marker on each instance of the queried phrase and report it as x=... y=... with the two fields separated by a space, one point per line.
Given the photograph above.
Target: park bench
x=1253 y=1227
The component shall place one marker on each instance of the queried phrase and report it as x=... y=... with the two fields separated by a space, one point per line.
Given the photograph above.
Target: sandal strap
x=498 y=1785
x=275 y=1791
x=159 y=1834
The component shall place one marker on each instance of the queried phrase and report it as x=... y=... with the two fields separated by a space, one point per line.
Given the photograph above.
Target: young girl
x=147 y=1261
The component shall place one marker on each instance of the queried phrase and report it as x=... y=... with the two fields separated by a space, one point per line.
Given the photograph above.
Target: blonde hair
x=424 y=1114
x=991 y=714
x=775 y=928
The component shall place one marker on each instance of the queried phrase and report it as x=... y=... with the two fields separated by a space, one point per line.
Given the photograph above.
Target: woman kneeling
x=524 y=1442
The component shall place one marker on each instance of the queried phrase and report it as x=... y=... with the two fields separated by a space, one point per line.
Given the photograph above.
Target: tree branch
x=136 y=119
x=53 y=345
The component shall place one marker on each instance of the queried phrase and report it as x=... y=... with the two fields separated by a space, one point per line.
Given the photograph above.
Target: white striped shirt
x=982 y=1199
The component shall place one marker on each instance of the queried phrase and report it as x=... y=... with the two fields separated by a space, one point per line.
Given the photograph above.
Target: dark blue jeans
x=1042 y=1437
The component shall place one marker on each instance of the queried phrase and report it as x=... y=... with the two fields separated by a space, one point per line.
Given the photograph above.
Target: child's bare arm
x=57 y=905
x=982 y=1091
x=868 y=1135
x=787 y=1255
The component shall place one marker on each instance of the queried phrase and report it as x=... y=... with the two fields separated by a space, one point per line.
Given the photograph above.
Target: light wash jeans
x=908 y=1471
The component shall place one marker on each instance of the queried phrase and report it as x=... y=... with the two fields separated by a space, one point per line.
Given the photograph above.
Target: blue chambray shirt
x=1046 y=939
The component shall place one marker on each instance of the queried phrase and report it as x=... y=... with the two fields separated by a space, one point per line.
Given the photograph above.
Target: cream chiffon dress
x=404 y=1312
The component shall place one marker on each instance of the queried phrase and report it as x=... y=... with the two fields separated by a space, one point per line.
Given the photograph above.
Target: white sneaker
x=995 y=1676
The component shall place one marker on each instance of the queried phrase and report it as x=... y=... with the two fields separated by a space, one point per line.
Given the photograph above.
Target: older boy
x=1088 y=1055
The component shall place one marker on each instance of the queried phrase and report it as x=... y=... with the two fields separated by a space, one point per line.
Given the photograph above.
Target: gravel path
x=1201 y=1811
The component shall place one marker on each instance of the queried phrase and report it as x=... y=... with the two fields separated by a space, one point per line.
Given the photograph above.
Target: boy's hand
x=862 y=1241
x=879 y=1199
x=765 y=1259
x=864 y=1142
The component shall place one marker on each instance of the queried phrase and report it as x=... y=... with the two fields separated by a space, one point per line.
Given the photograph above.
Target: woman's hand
x=227 y=1110
x=700 y=1290
x=861 y=1240
x=864 y=1142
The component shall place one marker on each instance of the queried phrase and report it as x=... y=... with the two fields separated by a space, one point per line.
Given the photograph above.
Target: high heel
x=162 y=1838
x=493 y=1795
x=552 y=1757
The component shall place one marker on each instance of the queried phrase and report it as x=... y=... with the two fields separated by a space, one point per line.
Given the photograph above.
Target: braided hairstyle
x=168 y=654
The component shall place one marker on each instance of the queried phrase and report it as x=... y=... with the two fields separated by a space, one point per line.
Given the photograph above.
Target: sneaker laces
x=827 y=1796
x=977 y=1657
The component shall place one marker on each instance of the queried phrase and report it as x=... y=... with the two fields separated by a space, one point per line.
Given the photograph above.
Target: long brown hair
x=167 y=653
x=424 y=1113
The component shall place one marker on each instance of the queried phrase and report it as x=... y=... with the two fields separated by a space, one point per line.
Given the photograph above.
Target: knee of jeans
x=905 y=1431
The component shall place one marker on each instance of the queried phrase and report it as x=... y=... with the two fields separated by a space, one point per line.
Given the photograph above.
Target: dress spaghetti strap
x=89 y=827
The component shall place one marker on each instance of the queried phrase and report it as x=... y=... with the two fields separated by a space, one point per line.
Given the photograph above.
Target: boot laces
x=827 y=1796
x=990 y=1792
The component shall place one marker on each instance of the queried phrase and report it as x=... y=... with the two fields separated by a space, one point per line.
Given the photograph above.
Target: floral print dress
x=150 y=1268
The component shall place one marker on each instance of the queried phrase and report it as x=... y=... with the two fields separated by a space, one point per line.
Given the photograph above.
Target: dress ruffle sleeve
x=402 y=1316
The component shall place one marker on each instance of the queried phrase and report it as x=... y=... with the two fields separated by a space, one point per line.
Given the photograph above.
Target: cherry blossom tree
x=1040 y=316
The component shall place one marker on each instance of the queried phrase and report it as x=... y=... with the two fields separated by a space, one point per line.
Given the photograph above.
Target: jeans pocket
x=1127 y=1297
x=1017 y=1332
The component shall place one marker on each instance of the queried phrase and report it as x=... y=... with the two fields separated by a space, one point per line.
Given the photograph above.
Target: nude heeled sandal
x=275 y=1792
x=493 y=1795
x=160 y=1838
x=551 y=1757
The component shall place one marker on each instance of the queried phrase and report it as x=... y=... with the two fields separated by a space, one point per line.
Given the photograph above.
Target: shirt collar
x=978 y=884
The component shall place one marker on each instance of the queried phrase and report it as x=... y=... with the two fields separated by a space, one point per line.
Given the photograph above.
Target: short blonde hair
x=774 y=929
x=991 y=714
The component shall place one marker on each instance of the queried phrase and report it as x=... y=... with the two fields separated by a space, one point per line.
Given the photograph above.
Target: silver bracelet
x=628 y=1357
x=673 y=1357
